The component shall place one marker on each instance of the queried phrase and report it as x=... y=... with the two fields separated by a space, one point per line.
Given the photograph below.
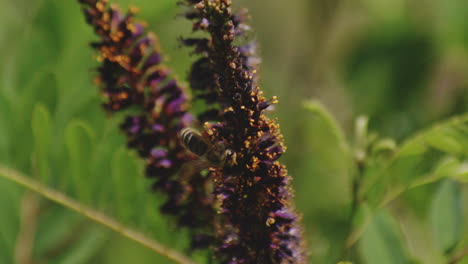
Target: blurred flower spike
x=257 y=222
x=130 y=76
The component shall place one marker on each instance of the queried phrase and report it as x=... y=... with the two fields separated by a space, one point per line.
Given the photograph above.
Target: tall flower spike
x=130 y=76
x=202 y=76
x=257 y=223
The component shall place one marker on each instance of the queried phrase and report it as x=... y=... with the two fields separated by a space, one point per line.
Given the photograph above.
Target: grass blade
x=94 y=215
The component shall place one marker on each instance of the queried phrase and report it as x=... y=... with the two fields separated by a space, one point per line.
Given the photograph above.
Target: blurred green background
x=402 y=63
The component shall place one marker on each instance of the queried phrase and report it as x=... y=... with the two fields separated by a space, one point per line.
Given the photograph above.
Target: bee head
x=230 y=157
x=220 y=156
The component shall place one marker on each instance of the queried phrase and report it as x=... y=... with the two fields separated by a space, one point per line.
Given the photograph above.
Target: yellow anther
x=100 y=6
x=270 y=221
x=274 y=99
x=134 y=9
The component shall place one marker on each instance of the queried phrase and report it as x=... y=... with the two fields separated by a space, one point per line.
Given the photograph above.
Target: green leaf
x=10 y=197
x=86 y=248
x=326 y=156
x=360 y=221
x=420 y=160
x=328 y=123
x=383 y=147
x=43 y=89
x=446 y=218
x=446 y=167
x=5 y=253
x=461 y=172
x=5 y=127
x=449 y=139
x=382 y=242
x=129 y=252
x=462 y=245
x=42 y=134
x=56 y=226
x=79 y=140
x=125 y=175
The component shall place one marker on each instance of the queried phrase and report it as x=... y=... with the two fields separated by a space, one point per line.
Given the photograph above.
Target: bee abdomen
x=193 y=141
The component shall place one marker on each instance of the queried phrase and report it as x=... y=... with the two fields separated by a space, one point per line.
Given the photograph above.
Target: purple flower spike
x=130 y=76
x=257 y=221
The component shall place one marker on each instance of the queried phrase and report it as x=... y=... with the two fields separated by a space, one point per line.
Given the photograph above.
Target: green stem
x=30 y=210
x=354 y=207
x=94 y=215
x=459 y=256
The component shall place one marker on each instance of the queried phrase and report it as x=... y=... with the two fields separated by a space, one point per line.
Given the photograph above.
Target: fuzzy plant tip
x=258 y=222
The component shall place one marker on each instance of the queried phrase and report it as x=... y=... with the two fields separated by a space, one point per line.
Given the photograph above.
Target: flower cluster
x=130 y=76
x=257 y=222
x=203 y=77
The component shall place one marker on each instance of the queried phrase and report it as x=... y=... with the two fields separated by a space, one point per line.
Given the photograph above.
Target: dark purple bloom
x=257 y=222
x=130 y=77
x=158 y=153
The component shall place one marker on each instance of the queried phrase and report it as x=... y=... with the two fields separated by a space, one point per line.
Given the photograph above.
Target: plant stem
x=67 y=241
x=30 y=207
x=92 y=214
x=458 y=256
x=356 y=184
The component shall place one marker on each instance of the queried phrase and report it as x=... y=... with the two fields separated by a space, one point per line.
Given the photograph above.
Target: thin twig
x=355 y=202
x=458 y=256
x=94 y=215
x=65 y=243
x=30 y=207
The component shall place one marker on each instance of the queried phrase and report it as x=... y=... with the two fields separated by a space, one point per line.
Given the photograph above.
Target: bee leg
x=186 y=173
x=191 y=168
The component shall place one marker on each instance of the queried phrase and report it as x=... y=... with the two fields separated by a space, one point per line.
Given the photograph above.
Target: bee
x=210 y=154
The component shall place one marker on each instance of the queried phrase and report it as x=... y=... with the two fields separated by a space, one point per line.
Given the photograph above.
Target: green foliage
x=416 y=161
x=42 y=134
x=327 y=169
x=359 y=222
x=446 y=218
x=384 y=171
x=328 y=154
x=10 y=195
x=362 y=193
x=124 y=164
x=51 y=128
x=79 y=141
x=382 y=242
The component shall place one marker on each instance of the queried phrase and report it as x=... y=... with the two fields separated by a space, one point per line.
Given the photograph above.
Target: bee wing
x=192 y=167
x=186 y=174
